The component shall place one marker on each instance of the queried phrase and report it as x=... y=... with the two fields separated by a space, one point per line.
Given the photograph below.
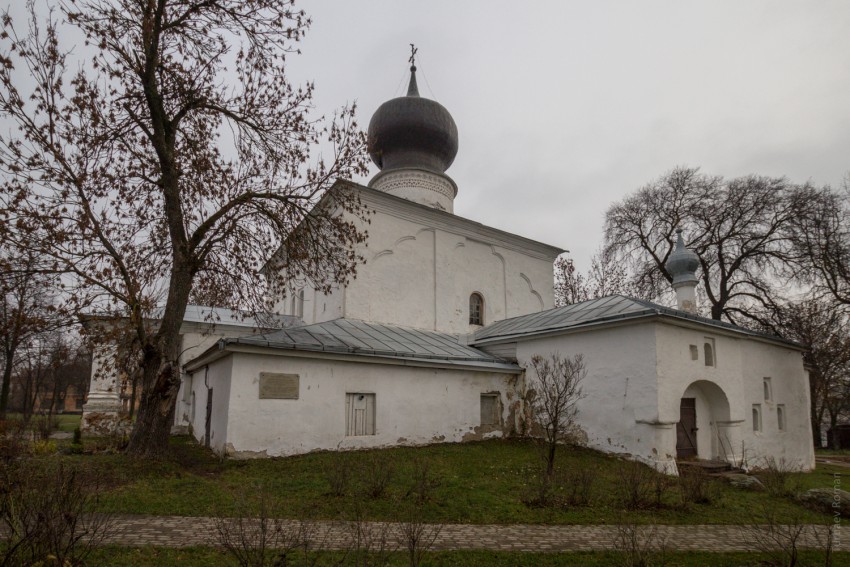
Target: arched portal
x=703 y=417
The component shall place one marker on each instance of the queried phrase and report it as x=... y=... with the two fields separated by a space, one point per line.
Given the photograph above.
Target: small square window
x=756 y=417
x=780 y=416
x=490 y=414
x=359 y=414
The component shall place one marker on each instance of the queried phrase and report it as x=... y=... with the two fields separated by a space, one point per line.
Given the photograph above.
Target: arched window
x=709 y=353
x=756 y=417
x=476 y=309
x=300 y=304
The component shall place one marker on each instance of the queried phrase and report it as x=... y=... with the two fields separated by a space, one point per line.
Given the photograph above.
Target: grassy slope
x=478 y=483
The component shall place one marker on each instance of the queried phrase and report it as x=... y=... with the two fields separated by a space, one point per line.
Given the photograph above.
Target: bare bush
x=640 y=546
x=376 y=473
x=554 y=403
x=540 y=487
x=416 y=536
x=638 y=485
x=424 y=482
x=339 y=476
x=696 y=486
x=45 y=510
x=44 y=425
x=780 y=477
x=369 y=543
x=580 y=481
x=778 y=541
x=254 y=539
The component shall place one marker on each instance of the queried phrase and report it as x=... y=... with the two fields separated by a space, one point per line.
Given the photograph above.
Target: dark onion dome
x=683 y=263
x=412 y=132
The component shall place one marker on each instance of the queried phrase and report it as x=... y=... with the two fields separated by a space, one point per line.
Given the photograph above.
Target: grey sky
x=564 y=107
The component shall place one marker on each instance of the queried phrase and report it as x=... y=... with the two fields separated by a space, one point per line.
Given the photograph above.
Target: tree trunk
x=550 y=459
x=161 y=372
x=7 y=382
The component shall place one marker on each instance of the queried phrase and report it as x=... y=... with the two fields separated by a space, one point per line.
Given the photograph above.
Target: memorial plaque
x=278 y=386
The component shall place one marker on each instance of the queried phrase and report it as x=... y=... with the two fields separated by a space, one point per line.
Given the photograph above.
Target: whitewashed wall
x=638 y=374
x=196 y=338
x=413 y=405
x=621 y=391
x=216 y=376
x=741 y=363
x=420 y=273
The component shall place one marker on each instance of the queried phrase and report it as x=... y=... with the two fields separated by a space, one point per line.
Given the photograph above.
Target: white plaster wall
x=196 y=338
x=620 y=388
x=740 y=365
x=413 y=405
x=216 y=376
x=790 y=387
x=422 y=277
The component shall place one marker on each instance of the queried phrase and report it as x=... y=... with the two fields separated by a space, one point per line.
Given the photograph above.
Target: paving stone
x=176 y=531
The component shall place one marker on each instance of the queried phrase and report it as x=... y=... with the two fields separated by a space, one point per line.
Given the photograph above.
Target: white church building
x=430 y=342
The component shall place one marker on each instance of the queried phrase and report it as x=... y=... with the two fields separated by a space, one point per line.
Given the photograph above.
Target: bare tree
x=25 y=312
x=170 y=166
x=824 y=329
x=606 y=276
x=555 y=394
x=820 y=233
x=739 y=228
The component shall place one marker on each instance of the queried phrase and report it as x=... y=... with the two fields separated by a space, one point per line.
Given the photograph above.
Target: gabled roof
x=351 y=336
x=609 y=309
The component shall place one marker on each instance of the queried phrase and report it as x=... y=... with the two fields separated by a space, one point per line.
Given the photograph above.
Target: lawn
x=482 y=483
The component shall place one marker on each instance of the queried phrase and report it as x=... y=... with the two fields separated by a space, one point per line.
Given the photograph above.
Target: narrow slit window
x=756 y=417
x=708 y=347
x=767 y=390
x=780 y=417
x=476 y=309
x=300 y=304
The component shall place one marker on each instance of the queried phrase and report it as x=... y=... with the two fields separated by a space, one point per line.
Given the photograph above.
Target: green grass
x=68 y=421
x=479 y=483
x=204 y=556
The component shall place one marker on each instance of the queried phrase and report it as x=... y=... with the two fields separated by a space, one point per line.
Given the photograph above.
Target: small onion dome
x=412 y=132
x=682 y=263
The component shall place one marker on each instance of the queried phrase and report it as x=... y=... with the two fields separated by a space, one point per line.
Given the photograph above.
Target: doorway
x=686 y=429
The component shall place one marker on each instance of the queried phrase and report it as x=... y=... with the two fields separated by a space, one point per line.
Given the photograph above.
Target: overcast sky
x=563 y=107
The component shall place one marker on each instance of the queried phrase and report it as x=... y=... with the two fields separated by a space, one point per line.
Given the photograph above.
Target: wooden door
x=686 y=429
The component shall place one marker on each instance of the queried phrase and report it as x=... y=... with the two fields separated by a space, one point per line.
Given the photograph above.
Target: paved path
x=178 y=531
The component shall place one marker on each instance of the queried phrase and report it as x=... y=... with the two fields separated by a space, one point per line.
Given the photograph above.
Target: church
x=431 y=342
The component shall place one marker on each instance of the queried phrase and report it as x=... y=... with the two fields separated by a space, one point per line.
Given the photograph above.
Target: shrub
x=339 y=476
x=376 y=473
x=45 y=510
x=44 y=447
x=424 y=482
x=580 y=483
x=696 y=486
x=638 y=484
x=780 y=477
x=255 y=540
